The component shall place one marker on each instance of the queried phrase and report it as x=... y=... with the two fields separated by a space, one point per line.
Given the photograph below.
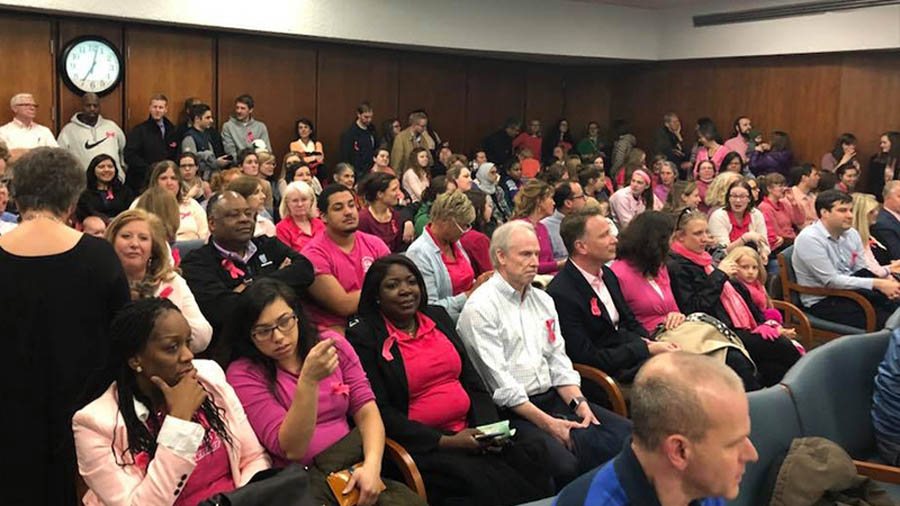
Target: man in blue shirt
x=886 y=403
x=829 y=253
x=691 y=439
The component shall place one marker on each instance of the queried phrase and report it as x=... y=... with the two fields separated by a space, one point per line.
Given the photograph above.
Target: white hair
x=300 y=187
x=503 y=233
x=18 y=98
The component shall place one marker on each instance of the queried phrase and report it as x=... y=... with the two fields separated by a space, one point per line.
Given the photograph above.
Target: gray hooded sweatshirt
x=86 y=142
x=237 y=135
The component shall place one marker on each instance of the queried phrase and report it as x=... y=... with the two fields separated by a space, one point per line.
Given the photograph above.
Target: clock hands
x=93 y=64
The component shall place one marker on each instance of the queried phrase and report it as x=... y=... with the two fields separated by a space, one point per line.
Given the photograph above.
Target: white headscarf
x=483 y=178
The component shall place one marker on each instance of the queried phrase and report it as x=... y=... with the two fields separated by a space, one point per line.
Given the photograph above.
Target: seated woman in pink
x=299 y=223
x=168 y=430
x=642 y=271
x=632 y=200
x=298 y=389
x=534 y=202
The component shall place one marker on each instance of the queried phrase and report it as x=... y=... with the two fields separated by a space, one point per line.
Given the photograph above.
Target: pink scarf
x=757 y=294
x=741 y=317
x=738 y=229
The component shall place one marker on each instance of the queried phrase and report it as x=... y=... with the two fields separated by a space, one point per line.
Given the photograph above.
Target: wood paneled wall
x=812 y=97
x=466 y=98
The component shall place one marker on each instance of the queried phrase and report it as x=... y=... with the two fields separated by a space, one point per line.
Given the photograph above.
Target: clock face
x=91 y=65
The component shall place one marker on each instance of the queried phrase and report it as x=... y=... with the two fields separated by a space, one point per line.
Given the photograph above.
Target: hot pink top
x=213 y=472
x=703 y=155
x=779 y=219
x=289 y=233
x=436 y=397
x=477 y=246
x=348 y=268
x=341 y=394
x=649 y=307
x=546 y=262
x=462 y=277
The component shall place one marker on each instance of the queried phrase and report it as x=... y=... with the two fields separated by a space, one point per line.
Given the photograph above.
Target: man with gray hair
x=668 y=140
x=23 y=133
x=691 y=440
x=513 y=336
x=412 y=137
x=887 y=226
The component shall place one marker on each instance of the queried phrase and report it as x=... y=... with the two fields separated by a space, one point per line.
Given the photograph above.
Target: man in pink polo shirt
x=341 y=256
x=741 y=140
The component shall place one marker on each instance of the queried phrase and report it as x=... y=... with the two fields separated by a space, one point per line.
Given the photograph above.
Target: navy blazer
x=887 y=230
x=593 y=339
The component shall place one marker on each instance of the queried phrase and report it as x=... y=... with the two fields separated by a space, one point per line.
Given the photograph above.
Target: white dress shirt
x=515 y=343
x=602 y=292
x=19 y=136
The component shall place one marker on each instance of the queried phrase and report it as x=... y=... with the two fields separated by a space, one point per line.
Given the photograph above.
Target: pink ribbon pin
x=341 y=389
x=232 y=269
x=109 y=194
x=551 y=336
x=142 y=460
x=166 y=292
x=386 y=348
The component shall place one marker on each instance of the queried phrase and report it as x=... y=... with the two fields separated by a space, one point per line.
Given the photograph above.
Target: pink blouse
x=649 y=307
x=341 y=395
x=289 y=233
x=546 y=262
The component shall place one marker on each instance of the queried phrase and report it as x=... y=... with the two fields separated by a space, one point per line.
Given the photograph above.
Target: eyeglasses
x=739 y=197
x=461 y=228
x=265 y=333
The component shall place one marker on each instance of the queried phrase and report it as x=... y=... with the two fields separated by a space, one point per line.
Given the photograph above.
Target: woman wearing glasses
x=299 y=387
x=447 y=270
x=739 y=223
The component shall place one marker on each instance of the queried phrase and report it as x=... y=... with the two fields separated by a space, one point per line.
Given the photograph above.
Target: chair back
x=185 y=247
x=788 y=276
x=773 y=425
x=832 y=386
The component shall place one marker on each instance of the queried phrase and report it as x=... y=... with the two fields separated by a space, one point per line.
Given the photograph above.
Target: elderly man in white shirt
x=23 y=133
x=512 y=334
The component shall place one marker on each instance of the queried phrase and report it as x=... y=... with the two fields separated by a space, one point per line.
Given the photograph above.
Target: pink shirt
x=531 y=142
x=739 y=145
x=289 y=233
x=348 y=268
x=477 y=246
x=625 y=206
x=546 y=262
x=436 y=397
x=649 y=307
x=805 y=207
x=703 y=155
x=779 y=219
x=341 y=394
x=213 y=472
x=462 y=276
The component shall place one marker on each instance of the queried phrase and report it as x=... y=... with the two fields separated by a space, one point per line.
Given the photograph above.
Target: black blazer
x=367 y=333
x=144 y=147
x=887 y=230
x=93 y=202
x=594 y=340
x=698 y=292
x=213 y=286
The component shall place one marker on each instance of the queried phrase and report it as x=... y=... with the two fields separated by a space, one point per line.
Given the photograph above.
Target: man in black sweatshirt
x=358 y=142
x=498 y=146
x=148 y=143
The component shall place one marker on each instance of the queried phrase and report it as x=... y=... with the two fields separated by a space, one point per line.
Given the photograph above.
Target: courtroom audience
x=710 y=149
x=534 y=383
x=414 y=136
x=684 y=194
x=163 y=428
x=439 y=185
x=567 y=198
x=345 y=175
x=705 y=173
x=461 y=177
x=847 y=176
x=198 y=141
x=60 y=288
x=300 y=387
x=740 y=142
x=195 y=187
x=431 y=397
x=105 y=195
x=139 y=240
x=340 y=255
x=440 y=256
x=717 y=190
x=669 y=141
x=498 y=146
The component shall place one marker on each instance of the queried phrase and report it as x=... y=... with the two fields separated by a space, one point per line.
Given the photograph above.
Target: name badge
x=264 y=261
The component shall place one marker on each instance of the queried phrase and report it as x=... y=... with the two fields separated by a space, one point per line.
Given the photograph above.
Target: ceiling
x=646 y=4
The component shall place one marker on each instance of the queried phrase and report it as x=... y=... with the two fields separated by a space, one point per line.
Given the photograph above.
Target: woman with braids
x=169 y=430
x=300 y=388
x=139 y=239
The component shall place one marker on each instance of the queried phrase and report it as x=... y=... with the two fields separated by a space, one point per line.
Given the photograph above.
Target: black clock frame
x=64 y=54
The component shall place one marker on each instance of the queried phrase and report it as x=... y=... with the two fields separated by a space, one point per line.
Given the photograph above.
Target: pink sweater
x=266 y=410
x=649 y=307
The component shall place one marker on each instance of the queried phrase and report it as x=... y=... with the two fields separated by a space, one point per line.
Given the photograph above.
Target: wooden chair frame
x=789 y=286
x=407 y=466
x=878 y=472
x=608 y=384
x=794 y=318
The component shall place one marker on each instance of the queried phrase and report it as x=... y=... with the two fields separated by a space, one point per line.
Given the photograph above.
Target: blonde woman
x=865 y=212
x=715 y=193
x=139 y=240
x=299 y=223
x=192 y=218
x=268 y=166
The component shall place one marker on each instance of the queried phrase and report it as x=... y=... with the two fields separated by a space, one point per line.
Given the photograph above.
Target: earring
x=138 y=369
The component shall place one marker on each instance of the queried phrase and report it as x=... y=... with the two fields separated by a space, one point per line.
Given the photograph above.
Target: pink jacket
x=101 y=440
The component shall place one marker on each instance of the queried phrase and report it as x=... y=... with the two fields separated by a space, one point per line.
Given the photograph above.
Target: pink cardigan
x=101 y=440
x=648 y=306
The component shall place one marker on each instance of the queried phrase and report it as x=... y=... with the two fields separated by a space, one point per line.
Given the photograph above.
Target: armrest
x=404 y=461
x=878 y=472
x=608 y=384
x=847 y=294
x=798 y=320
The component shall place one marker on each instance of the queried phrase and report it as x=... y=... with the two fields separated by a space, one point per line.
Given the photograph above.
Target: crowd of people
x=200 y=306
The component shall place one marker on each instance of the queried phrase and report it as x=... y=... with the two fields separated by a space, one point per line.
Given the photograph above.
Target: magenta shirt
x=546 y=262
x=648 y=306
x=348 y=268
x=340 y=395
x=213 y=472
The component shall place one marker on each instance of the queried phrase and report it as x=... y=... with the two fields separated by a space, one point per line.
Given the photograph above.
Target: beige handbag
x=705 y=335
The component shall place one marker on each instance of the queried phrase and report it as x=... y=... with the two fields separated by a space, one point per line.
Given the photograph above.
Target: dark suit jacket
x=594 y=340
x=144 y=147
x=213 y=286
x=367 y=333
x=887 y=230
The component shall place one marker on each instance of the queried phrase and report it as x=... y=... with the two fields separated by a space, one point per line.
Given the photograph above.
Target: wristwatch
x=575 y=402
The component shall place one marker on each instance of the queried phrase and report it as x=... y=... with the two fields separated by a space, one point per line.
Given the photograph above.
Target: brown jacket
x=404 y=144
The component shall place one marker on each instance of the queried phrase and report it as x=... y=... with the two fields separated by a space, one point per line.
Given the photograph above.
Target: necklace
x=35 y=216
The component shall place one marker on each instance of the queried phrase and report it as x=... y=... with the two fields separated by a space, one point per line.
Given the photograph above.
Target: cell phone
x=493 y=435
x=229 y=157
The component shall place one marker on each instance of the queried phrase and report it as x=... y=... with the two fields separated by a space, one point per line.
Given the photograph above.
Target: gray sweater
x=237 y=135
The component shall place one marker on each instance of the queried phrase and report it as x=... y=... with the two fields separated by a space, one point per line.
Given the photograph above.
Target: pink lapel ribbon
x=551 y=336
x=109 y=194
x=232 y=269
x=386 y=348
x=166 y=292
x=176 y=257
x=341 y=389
x=142 y=460
x=595 y=307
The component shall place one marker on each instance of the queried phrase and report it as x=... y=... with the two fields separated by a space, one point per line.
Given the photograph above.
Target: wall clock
x=91 y=64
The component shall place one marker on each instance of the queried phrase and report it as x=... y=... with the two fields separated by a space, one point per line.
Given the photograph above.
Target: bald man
x=690 y=443
x=23 y=133
x=232 y=259
x=89 y=134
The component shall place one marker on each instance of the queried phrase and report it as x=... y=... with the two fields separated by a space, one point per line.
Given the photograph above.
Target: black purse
x=272 y=487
